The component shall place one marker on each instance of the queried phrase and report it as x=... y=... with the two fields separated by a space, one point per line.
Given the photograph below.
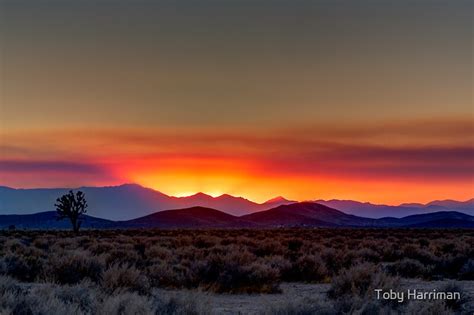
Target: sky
x=367 y=100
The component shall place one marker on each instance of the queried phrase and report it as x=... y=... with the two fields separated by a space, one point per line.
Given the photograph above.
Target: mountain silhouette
x=304 y=214
x=130 y=201
x=370 y=210
x=317 y=215
x=194 y=217
x=123 y=202
x=48 y=220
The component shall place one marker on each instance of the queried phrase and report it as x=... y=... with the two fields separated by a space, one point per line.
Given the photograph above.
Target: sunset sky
x=366 y=100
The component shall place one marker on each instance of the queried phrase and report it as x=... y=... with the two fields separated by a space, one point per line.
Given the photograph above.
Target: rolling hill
x=48 y=220
x=308 y=214
x=435 y=219
x=194 y=217
x=314 y=214
x=303 y=214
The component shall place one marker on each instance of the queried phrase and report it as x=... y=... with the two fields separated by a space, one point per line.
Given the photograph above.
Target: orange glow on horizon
x=261 y=185
x=256 y=165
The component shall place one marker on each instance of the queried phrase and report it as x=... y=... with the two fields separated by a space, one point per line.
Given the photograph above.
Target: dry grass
x=116 y=271
x=230 y=260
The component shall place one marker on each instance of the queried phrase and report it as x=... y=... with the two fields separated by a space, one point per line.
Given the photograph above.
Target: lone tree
x=72 y=206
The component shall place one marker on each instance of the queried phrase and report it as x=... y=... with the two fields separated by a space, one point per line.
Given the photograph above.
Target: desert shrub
x=237 y=272
x=268 y=247
x=410 y=268
x=126 y=303
x=467 y=270
x=140 y=248
x=260 y=277
x=85 y=241
x=353 y=287
x=427 y=308
x=122 y=255
x=180 y=304
x=420 y=254
x=205 y=241
x=450 y=266
x=356 y=280
x=42 y=243
x=14 y=245
x=367 y=254
x=281 y=264
x=300 y=307
x=82 y=295
x=100 y=248
x=448 y=247
x=331 y=259
x=162 y=274
x=234 y=260
x=9 y=285
x=391 y=252
x=348 y=258
x=309 y=268
x=86 y=298
x=23 y=268
x=124 y=277
x=65 y=243
x=454 y=305
x=156 y=252
x=37 y=301
x=294 y=244
x=73 y=268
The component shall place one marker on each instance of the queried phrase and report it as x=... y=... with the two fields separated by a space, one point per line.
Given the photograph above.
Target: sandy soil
x=293 y=292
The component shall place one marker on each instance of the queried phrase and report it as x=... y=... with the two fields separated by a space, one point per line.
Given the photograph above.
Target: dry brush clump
x=85 y=298
x=71 y=268
x=124 y=277
x=352 y=289
x=234 y=261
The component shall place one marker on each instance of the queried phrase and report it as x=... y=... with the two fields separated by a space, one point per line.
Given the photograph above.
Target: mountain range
x=370 y=210
x=131 y=201
x=126 y=201
x=305 y=214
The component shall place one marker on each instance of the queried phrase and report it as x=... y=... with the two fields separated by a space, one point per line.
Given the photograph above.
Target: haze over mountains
x=131 y=201
x=124 y=202
x=317 y=215
x=304 y=214
x=370 y=210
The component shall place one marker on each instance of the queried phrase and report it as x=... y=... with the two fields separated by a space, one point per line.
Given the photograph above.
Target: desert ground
x=234 y=271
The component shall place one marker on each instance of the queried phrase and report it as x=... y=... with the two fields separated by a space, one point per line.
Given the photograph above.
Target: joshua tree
x=72 y=206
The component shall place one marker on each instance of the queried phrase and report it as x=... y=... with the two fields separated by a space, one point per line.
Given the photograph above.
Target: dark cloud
x=12 y=166
x=384 y=163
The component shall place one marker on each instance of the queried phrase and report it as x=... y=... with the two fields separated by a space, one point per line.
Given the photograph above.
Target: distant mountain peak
x=128 y=185
x=278 y=199
x=412 y=204
x=198 y=195
x=226 y=196
x=349 y=201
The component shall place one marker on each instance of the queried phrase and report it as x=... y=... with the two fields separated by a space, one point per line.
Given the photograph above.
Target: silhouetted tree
x=72 y=206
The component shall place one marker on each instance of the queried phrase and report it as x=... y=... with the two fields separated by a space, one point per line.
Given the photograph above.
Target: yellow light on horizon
x=213 y=194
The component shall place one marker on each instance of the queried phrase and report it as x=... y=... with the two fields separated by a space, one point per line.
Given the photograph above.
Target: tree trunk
x=75 y=226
